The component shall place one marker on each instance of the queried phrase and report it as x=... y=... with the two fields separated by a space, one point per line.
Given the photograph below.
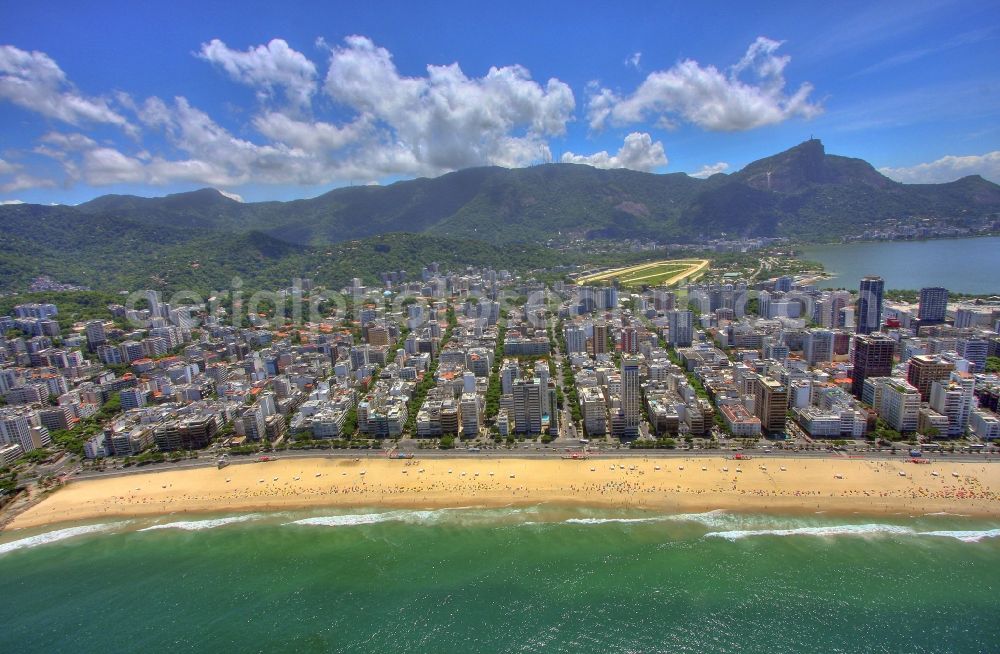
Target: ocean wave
x=428 y=516
x=349 y=520
x=55 y=536
x=459 y=515
x=864 y=531
x=198 y=525
x=708 y=518
x=602 y=521
x=715 y=518
x=830 y=530
x=965 y=536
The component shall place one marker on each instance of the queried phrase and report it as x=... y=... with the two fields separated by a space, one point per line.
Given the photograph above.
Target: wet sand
x=845 y=486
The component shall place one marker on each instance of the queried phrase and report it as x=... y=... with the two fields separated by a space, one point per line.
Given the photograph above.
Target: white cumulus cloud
x=6 y=202
x=236 y=197
x=708 y=97
x=266 y=68
x=710 y=169
x=638 y=152
x=391 y=124
x=311 y=136
x=34 y=81
x=447 y=120
x=209 y=153
x=948 y=168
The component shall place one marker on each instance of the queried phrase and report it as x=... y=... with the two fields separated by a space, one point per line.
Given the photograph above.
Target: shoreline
x=773 y=485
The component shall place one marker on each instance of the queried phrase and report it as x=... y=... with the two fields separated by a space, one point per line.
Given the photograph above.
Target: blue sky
x=269 y=101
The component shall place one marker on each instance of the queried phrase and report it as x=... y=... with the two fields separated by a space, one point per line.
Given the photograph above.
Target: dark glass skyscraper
x=870 y=304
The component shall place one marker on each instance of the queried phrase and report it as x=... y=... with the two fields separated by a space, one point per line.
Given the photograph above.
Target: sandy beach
x=774 y=484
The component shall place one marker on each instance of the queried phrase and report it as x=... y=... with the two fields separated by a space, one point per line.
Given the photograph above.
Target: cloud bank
x=948 y=168
x=639 y=152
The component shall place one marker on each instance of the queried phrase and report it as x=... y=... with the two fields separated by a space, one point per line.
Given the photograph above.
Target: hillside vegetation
x=479 y=216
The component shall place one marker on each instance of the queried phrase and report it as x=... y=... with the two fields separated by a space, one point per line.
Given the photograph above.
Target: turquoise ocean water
x=538 y=579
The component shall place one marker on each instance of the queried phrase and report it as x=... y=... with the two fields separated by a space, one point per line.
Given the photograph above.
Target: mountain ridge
x=802 y=193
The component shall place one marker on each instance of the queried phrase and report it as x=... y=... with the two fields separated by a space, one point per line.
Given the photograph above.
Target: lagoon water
x=964 y=265
x=535 y=579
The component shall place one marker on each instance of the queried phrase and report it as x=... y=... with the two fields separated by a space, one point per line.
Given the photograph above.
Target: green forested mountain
x=802 y=192
x=203 y=236
x=211 y=260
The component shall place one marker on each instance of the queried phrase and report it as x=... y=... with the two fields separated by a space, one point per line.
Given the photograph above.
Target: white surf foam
x=868 y=530
x=716 y=518
x=350 y=520
x=457 y=515
x=55 y=536
x=708 y=518
x=965 y=536
x=198 y=525
x=830 y=530
x=603 y=521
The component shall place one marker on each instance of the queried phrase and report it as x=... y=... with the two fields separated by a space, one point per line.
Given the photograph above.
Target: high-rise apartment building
x=631 y=402
x=595 y=411
x=818 y=346
x=899 y=405
x=472 y=415
x=763 y=304
x=664 y=300
x=15 y=427
x=872 y=358
x=600 y=338
x=770 y=403
x=973 y=349
x=377 y=334
x=924 y=369
x=360 y=356
x=542 y=374
x=680 y=328
x=576 y=339
x=95 y=334
x=953 y=398
x=933 y=304
x=508 y=374
x=527 y=406
x=254 y=426
x=630 y=340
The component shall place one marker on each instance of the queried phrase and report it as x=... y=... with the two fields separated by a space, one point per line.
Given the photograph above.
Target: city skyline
x=550 y=327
